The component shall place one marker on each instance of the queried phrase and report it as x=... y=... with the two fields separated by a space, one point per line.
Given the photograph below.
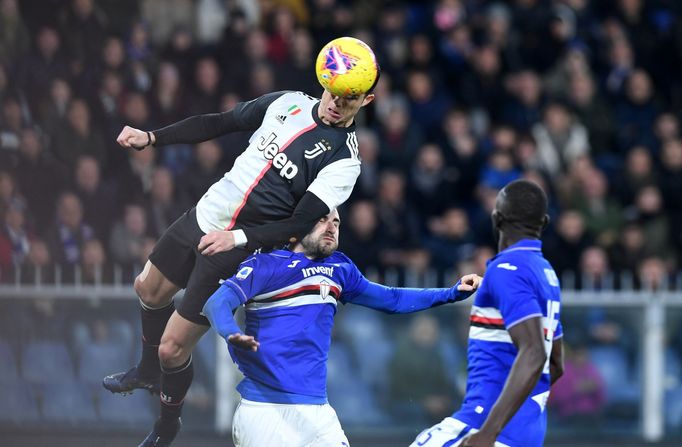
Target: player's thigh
x=174 y=254
x=329 y=427
x=258 y=424
x=205 y=279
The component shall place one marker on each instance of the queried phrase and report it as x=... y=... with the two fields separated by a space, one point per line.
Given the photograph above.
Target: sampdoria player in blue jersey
x=291 y=299
x=515 y=349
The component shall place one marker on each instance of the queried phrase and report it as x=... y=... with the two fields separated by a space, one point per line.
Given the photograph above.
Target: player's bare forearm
x=523 y=376
x=556 y=361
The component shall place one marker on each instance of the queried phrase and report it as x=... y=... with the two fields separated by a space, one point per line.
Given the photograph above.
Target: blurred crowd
x=582 y=97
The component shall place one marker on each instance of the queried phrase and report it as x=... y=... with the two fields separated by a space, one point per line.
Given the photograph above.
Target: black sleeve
x=307 y=213
x=195 y=129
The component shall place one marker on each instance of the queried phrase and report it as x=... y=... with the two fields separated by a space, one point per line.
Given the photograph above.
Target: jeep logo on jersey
x=280 y=161
x=320 y=147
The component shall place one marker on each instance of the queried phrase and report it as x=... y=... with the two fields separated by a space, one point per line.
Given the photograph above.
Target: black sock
x=153 y=324
x=174 y=385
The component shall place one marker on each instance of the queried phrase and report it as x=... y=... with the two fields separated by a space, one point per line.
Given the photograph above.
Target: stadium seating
x=47 y=362
x=8 y=372
x=130 y=411
x=68 y=403
x=19 y=405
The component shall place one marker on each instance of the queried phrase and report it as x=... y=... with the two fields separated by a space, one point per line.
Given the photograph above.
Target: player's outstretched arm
x=526 y=370
x=219 y=309
x=406 y=300
x=195 y=129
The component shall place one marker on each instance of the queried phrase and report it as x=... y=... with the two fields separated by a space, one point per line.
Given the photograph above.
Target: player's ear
x=368 y=98
x=545 y=221
x=497 y=219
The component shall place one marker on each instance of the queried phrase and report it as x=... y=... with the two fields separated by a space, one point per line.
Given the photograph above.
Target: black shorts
x=176 y=256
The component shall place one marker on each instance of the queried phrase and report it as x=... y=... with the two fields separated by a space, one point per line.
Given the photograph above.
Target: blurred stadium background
x=581 y=96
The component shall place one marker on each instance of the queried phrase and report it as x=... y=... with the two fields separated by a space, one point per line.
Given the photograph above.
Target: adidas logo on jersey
x=319 y=148
x=281 y=118
x=280 y=161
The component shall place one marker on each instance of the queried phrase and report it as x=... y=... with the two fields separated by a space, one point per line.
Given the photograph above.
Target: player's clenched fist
x=135 y=138
x=469 y=283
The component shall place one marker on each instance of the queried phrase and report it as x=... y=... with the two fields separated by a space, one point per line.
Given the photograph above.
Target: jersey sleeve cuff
x=240 y=238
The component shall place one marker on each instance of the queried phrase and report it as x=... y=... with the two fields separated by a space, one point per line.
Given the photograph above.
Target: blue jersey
x=290 y=305
x=518 y=284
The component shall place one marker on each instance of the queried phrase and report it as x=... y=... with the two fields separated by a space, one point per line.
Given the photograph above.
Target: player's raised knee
x=171 y=353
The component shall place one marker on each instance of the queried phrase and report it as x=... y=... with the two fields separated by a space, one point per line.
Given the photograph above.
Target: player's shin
x=153 y=324
x=175 y=383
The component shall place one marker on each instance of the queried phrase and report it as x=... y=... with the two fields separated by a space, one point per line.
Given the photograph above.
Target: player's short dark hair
x=523 y=202
x=376 y=80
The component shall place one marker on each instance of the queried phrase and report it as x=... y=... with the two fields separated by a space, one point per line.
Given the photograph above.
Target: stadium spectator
x=560 y=139
x=671 y=187
x=629 y=250
x=427 y=107
x=638 y=172
x=578 y=400
x=68 y=232
x=128 y=236
x=205 y=169
x=11 y=123
x=163 y=204
x=362 y=237
x=595 y=114
x=420 y=395
x=603 y=214
x=14 y=40
x=399 y=224
x=652 y=274
x=44 y=64
x=79 y=137
x=451 y=239
x=167 y=95
x=94 y=267
x=15 y=238
x=368 y=182
x=93 y=192
x=52 y=110
x=39 y=176
x=432 y=183
x=594 y=269
x=570 y=241
x=204 y=94
x=524 y=108
x=9 y=193
x=636 y=113
x=399 y=137
x=83 y=27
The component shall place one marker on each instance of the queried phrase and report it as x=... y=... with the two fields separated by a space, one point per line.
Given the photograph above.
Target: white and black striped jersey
x=291 y=152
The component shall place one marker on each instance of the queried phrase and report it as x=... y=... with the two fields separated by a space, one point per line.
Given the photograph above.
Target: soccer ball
x=346 y=67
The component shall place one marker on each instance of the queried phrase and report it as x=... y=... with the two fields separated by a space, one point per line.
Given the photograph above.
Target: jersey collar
x=522 y=245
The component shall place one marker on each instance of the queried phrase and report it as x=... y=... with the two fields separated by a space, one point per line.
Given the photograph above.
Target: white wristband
x=240 y=239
